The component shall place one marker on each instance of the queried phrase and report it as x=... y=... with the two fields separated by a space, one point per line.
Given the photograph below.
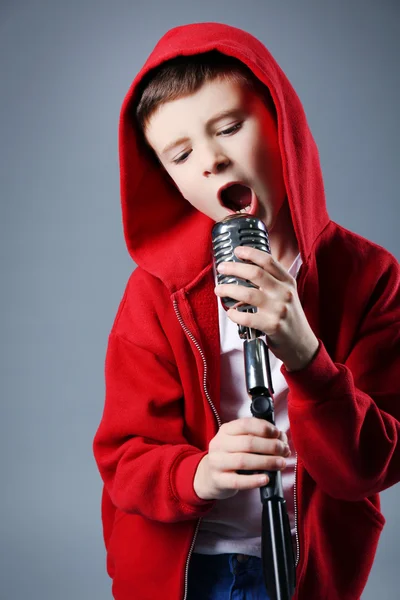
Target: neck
x=283 y=241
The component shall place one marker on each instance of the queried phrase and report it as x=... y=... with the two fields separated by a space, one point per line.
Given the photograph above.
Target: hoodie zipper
x=296 y=514
x=300 y=281
x=197 y=345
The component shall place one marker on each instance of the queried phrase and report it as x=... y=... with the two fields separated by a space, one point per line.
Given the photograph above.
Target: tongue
x=237 y=196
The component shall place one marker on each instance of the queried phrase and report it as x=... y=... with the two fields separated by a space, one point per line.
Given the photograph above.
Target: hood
x=164 y=234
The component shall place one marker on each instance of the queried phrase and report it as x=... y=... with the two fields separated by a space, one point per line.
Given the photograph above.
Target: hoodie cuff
x=182 y=478
x=316 y=381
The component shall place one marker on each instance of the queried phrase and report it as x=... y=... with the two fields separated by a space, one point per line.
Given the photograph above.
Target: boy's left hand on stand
x=279 y=312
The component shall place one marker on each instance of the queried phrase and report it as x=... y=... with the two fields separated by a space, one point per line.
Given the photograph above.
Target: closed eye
x=181 y=158
x=225 y=132
x=230 y=129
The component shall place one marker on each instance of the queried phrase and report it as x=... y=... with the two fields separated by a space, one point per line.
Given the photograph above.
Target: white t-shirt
x=234 y=524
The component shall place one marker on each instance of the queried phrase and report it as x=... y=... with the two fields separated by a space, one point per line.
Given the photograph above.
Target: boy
x=211 y=126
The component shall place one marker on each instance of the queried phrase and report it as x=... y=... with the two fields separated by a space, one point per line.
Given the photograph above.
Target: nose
x=214 y=161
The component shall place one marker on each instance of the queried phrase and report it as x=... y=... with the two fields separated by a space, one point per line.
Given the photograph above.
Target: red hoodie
x=162 y=366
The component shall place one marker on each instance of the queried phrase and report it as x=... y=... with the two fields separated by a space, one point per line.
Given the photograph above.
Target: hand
x=279 y=312
x=244 y=444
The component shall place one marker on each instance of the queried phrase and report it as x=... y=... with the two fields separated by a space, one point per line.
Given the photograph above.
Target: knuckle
x=268 y=259
x=266 y=429
x=248 y=294
x=240 y=461
x=282 y=314
x=250 y=443
x=289 y=296
x=270 y=463
x=257 y=273
x=234 y=482
x=270 y=430
x=243 y=425
x=275 y=432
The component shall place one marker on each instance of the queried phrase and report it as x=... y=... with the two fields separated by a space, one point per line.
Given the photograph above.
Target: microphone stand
x=276 y=542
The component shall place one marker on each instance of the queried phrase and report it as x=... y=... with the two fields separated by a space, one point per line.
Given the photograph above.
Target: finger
x=250 y=425
x=234 y=481
x=254 y=273
x=264 y=260
x=262 y=320
x=251 y=444
x=242 y=461
x=241 y=293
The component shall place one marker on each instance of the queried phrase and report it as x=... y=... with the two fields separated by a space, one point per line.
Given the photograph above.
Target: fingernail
x=281 y=462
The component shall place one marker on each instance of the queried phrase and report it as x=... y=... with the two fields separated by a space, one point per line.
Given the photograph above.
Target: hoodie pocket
x=340 y=539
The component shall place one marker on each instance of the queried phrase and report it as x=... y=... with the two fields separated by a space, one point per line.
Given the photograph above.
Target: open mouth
x=237 y=197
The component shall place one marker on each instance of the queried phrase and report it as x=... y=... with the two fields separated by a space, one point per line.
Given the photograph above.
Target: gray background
x=65 y=68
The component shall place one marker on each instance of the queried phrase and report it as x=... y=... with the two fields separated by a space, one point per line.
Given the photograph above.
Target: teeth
x=244 y=210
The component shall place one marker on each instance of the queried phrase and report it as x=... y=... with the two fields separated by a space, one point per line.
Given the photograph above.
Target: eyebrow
x=224 y=113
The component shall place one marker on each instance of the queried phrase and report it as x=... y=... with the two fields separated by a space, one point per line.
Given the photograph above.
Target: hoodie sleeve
x=146 y=463
x=345 y=418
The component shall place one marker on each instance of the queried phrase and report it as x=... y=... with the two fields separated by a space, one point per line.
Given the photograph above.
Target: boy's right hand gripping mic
x=276 y=541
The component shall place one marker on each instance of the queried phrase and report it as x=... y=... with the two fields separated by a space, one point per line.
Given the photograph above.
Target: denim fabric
x=223 y=577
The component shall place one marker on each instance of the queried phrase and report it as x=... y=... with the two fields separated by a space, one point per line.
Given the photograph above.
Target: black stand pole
x=276 y=543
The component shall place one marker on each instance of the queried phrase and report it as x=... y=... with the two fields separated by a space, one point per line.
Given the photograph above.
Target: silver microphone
x=276 y=543
x=237 y=230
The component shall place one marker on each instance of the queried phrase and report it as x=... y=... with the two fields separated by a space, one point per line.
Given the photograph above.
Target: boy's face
x=211 y=151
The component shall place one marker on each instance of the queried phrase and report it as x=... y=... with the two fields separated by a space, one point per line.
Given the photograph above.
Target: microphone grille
x=233 y=231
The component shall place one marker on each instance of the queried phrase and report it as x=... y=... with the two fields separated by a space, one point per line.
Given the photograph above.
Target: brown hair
x=184 y=75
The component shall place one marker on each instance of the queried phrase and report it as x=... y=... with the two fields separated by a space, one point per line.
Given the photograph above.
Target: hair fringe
x=184 y=75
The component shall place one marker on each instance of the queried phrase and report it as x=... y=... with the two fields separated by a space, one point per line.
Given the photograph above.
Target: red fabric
x=162 y=366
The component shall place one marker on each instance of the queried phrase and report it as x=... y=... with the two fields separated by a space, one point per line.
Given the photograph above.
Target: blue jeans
x=224 y=577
